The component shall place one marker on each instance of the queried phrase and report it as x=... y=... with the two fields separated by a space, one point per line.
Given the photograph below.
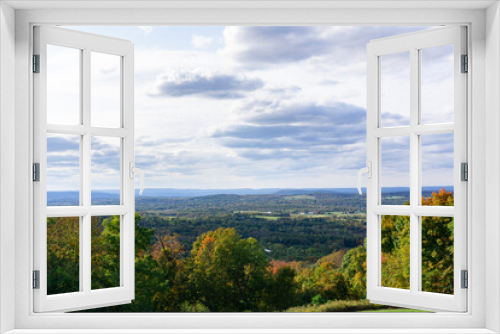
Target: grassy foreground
x=349 y=306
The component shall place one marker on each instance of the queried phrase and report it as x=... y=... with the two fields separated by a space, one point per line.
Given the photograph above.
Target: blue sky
x=258 y=107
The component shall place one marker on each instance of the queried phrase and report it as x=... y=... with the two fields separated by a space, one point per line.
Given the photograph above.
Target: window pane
x=395 y=170
x=63 y=85
x=63 y=170
x=105 y=90
x=395 y=89
x=105 y=252
x=437 y=168
x=437 y=84
x=437 y=254
x=105 y=169
x=395 y=245
x=63 y=255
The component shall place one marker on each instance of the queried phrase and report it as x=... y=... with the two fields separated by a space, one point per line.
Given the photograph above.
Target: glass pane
x=105 y=169
x=437 y=254
x=63 y=170
x=395 y=170
x=63 y=85
x=105 y=90
x=105 y=252
x=63 y=255
x=437 y=169
x=395 y=232
x=395 y=89
x=437 y=84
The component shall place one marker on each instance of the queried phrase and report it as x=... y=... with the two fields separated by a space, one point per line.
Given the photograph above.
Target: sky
x=253 y=107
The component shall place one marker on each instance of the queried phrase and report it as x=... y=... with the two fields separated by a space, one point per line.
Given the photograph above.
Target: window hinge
x=36 y=279
x=465 y=64
x=36 y=172
x=36 y=63
x=465 y=279
x=464 y=172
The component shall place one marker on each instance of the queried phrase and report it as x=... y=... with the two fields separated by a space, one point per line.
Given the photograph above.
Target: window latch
x=132 y=171
x=368 y=171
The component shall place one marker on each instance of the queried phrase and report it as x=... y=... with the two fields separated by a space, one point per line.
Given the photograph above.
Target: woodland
x=252 y=253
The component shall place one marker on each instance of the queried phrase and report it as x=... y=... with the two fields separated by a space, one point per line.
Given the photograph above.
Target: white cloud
x=146 y=29
x=191 y=142
x=210 y=84
x=201 y=42
x=269 y=46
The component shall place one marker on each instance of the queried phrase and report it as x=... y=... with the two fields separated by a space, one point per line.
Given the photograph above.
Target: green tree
x=354 y=269
x=63 y=255
x=437 y=247
x=396 y=252
x=169 y=292
x=330 y=283
x=282 y=289
x=227 y=273
x=105 y=252
x=106 y=235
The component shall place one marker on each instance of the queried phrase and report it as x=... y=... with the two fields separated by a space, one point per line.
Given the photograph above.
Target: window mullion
x=414 y=171
x=86 y=236
x=422 y=211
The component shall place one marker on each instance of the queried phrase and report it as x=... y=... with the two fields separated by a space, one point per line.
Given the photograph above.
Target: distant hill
x=172 y=192
x=56 y=195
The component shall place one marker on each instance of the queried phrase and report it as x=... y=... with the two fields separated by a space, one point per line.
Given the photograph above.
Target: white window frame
x=484 y=103
x=413 y=43
x=85 y=298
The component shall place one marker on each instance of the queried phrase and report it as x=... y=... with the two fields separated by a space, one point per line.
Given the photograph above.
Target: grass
x=306 y=215
x=349 y=306
x=393 y=197
x=249 y=212
x=297 y=197
x=267 y=217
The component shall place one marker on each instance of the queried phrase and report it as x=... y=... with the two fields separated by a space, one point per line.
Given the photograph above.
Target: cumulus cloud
x=62 y=144
x=272 y=44
x=335 y=115
x=267 y=46
x=437 y=151
x=209 y=85
x=278 y=130
x=105 y=154
x=201 y=42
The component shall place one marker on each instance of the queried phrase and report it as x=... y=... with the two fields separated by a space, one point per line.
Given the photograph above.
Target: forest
x=251 y=253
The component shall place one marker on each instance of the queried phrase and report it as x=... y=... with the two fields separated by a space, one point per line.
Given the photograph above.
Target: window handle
x=368 y=171
x=133 y=170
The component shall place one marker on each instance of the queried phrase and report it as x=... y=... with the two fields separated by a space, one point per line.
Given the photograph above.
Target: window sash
x=414 y=298
x=86 y=297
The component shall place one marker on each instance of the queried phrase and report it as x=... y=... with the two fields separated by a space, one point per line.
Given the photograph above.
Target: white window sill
x=251 y=331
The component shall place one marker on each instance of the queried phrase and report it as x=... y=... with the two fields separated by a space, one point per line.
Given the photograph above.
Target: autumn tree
x=170 y=289
x=437 y=248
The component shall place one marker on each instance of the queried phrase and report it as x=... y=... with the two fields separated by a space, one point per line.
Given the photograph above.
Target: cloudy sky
x=258 y=107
